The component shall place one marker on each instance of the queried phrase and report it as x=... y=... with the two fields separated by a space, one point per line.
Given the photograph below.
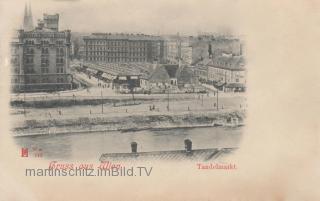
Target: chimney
x=188 y=145
x=134 y=147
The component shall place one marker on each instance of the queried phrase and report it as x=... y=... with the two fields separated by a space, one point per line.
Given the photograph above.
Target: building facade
x=177 y=47
x=186 y=54
x=171 y=51
x=123 y=48
x=40 y=60
x=228 y=73
x=213 y=46
x=202 y=73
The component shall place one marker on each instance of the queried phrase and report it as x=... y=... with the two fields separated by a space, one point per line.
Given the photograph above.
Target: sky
x=139 y=16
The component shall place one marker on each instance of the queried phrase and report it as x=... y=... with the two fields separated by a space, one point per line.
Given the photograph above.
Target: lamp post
x=217 y=99
x=202 y=100
x=24 y=103
x=168 y=106
x=101 y=102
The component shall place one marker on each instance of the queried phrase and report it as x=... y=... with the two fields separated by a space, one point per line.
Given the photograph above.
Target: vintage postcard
x=163 y=100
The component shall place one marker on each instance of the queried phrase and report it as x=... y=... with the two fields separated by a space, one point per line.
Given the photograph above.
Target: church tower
x=27 y=20
x=30 y=17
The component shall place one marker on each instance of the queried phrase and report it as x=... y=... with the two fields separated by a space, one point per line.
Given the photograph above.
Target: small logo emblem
x=24 y=152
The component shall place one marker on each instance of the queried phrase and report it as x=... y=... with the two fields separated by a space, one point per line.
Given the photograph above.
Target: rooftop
x=175 y=155
x=228 y=62
x=121 y=36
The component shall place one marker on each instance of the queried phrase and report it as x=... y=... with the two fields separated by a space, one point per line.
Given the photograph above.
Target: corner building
x=40 y=60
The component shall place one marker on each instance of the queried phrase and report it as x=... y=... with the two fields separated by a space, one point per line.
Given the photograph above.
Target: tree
x=210 y=50
x=131 y=86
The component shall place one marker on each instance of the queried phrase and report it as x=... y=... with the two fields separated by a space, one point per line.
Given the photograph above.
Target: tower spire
x=30 y=16
x=25 y=10
x=27 y=20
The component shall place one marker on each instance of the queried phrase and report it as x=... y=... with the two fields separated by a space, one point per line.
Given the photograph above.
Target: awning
x=91 y=70
x=122 y=77
x=235 y=85
x=109 y=76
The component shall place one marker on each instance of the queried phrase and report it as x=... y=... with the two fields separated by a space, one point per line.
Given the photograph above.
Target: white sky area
x=187 y=17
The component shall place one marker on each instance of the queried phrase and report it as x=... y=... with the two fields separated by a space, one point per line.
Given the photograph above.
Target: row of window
x=117 y=54
x=59 y=51
x=29 y=51
x=117 y=43
x=43 y=80
x=225 y=64
x=28 y=60
x=138 y=49
x=59 y=60
x=46 y=70
x=43 y=70
x=44 y=60
x=117 y=59
x=43 y=42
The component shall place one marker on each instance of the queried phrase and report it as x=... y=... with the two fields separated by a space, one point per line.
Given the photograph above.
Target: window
x=45 y=80
x=60 y=51
x=59 y=60
x=29 y=42
x=59 y=70
x=29 y=51
x=29 y=60
x=44 y=51
x=44 y=70
x=44 y=62
x=44 y=42
x=60 y=80
x=59 y=42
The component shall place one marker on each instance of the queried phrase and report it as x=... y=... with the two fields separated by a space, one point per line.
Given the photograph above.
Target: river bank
x=126 y=123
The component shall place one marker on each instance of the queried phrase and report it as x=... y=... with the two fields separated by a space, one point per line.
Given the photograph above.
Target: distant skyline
x=187 y=17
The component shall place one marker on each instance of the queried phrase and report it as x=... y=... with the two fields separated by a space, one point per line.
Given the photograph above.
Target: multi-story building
x=171 y=50
x=186 y=53
x=202 y=73
x=123 y=48
x=228 y=73
x=177 y=48
x=40 y=59
x=213 y=46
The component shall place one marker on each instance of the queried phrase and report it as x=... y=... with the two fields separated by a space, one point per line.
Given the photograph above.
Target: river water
x=90 y=146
